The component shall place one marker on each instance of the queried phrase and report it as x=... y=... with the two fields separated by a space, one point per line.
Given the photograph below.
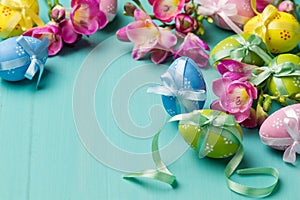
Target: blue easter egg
x=187 y=77
x=14 y=59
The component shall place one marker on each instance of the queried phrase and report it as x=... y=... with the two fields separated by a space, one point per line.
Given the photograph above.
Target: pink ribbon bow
x=222 y=9
x=291 y=125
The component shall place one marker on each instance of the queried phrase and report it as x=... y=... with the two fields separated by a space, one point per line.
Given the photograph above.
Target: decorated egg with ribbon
x=281 y=131
x=211 y=133
x=279 y=30
x=183 y=87
x=18 y=16
x=282 y=76
x=227 y=14
x=22 y=57
x=245 y=47
x=109 y=7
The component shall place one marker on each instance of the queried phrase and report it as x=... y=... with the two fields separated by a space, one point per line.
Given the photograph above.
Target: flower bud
x=286 y=6
x=58 y=13
x=129 y=9
x=267 y=103
x=189 y=8
x=185 y=23
x=282 y=99
x=261 y=115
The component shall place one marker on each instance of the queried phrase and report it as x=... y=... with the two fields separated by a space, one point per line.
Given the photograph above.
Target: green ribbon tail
x=262 y=54
x=258 y=79
x=243 y=189
x=161 y=173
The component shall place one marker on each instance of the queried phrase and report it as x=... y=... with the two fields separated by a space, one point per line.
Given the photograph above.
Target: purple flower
x=147 y=37
x=52 y=32
x=69 y=35
x=193 y=47
x=185 y=23
x=235 y=97
x=166 y=10
x=86 y=16
x=58 y=13
x=286 y=6
x=235 y=70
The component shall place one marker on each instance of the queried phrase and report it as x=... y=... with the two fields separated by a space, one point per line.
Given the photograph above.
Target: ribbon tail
x=262 y=54
x=289 y=155
x=34 y=17
x=160 y=90
x=32 y=69
x=11 y=24
x=230 y=23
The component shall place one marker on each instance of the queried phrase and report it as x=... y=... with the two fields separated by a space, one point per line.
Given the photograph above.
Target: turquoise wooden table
x=92 y=121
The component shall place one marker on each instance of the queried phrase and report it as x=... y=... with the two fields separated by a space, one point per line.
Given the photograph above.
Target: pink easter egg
x=273 y=131
x=109 y=7
x=244 y=13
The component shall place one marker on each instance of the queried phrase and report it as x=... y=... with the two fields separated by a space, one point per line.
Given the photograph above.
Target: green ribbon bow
x=242 y=52
x=274 y=70
x=215 y=119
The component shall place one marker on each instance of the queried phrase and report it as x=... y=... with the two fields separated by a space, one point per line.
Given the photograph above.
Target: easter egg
x=9 y=13
x=217 y=141
x=230 y=47
x=274 y=131
x=15 y=60
x=285 y=85
x=243 y=12
x=279 y=30
x=187 y=81
x=109 y=7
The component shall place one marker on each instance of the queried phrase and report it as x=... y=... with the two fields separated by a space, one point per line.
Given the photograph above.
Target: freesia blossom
x=286 y=6
x=261 y=4
x=166 y=10
x=185 y=23
x=147 y=37
x=86 y=16
x=69 y=35
x=235 y=70
x=235 y=97
x=193 y=47
x=52 y=32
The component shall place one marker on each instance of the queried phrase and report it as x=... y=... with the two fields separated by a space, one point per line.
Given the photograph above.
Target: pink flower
x=261 y=4
x=193 y=47
x=286 y=6
x=86 y=16
x=147 y=37
x=185 y=23
x=52 y=32
x=58 y=13
x=69 y=35
x=236 y=97
x=166 y=10
x=235 y=70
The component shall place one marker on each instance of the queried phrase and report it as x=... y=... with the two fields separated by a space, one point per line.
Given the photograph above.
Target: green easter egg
x=285 y=85
x=231 y=43
x=216 y=145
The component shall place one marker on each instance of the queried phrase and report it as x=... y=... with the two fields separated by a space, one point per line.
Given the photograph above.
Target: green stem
x=56 y=2
x=49 y=3
x=140 y=5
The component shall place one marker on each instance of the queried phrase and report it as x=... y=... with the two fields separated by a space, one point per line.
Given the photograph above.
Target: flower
x=185 y=23
x=86 y=16
x=69 y=35
x=147 y=37
x=236 y=97
x=58 y=13
x=286 y=6
x=166 y=10
x=261 y=4
x=235 y=70
x=52 y=32
x=193 y=47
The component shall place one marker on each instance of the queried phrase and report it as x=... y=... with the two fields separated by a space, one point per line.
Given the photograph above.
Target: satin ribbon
x=213 y=120
x=242 y=52
x=292 y=127
x=222 y=9
x=23 y=12
x=172 y=85
x=274 y=70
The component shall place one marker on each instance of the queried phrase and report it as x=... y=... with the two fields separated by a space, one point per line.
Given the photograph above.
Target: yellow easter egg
x=289 y=84
x=224 y=48
x=216 y=145
x=11 y=21
x=279 y=30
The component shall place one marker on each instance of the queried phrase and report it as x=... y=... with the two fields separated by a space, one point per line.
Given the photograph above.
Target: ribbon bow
x=222 y=9
x=36 y=64
x=172 y=86
x=291 y=124
x=242 y=52
x=23 y=13
x=277 y=70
